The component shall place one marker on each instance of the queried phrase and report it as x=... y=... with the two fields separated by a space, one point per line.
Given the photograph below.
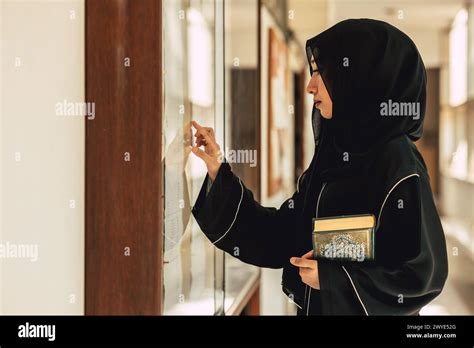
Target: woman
x=363 y=74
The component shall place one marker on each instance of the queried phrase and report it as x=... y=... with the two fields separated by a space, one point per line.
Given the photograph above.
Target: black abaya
x=365 y=163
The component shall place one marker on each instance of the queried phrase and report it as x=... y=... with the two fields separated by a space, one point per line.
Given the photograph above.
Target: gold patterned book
x=344 y=238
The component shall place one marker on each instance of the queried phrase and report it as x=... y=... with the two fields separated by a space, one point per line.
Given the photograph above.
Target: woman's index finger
x=197 y=125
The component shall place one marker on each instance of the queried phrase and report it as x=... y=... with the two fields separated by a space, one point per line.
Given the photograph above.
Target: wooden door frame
x=124 y=194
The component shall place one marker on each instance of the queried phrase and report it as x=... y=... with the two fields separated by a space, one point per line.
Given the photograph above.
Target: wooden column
x=123 y=158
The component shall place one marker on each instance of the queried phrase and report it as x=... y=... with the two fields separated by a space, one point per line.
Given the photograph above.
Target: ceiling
x=311 y=16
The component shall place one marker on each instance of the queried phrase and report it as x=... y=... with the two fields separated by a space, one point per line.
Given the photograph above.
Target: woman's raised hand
x=211 y=155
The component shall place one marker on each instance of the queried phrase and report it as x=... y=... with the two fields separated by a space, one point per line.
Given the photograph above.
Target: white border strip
x=317 y=211
x=362 y=303
x=236 y=213
x=298 y=182
x=309 y=301
x=294 y=302
x=297 y=305
x=388 y=194
x=305 y=291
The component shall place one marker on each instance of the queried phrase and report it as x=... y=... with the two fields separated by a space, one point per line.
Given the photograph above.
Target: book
x=344 y=238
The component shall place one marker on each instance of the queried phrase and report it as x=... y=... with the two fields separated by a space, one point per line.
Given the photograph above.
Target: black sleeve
x=410 y=265
x=237 y=224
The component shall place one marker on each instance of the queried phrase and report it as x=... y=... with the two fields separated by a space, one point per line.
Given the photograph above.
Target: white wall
x=36 y=189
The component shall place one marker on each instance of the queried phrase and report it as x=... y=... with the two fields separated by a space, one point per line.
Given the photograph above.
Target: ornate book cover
x=344 y=238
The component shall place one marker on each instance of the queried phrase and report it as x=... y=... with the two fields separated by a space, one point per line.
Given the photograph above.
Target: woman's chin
x=325 y=115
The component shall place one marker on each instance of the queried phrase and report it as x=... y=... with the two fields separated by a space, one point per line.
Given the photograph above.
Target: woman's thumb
x=295 y=261
x=201 y=154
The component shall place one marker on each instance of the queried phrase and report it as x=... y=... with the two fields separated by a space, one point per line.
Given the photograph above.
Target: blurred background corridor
x=94 y=96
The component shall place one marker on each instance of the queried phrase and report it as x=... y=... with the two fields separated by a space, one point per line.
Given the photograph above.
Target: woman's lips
x=317 y=102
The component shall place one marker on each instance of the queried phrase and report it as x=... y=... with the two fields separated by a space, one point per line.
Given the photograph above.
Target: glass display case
x=196 y=75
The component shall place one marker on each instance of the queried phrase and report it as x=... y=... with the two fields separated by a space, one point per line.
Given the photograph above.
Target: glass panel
x=219 y=124
x=241 y=83
x=210 y=57
x=191 y=278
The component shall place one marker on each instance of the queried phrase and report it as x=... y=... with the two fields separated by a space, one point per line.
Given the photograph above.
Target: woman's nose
x=311 y=88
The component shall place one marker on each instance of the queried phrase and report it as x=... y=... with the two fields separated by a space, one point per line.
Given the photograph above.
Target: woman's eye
x=316 y=71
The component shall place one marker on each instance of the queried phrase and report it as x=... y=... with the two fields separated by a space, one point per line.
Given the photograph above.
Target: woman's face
x=321 y=97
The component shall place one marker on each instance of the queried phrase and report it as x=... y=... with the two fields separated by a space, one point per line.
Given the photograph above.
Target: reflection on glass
x=201 y=42
x=241 y=82
x=189 y=84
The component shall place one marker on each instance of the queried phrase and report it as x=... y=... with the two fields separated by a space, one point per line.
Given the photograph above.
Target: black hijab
x=365 y=64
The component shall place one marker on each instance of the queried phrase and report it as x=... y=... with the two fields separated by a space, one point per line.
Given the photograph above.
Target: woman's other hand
x=309 y=272
x=179 y=149
x=211 y=155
